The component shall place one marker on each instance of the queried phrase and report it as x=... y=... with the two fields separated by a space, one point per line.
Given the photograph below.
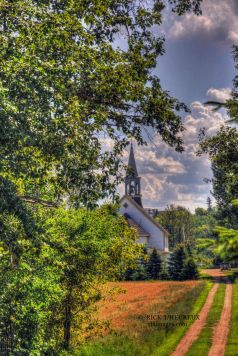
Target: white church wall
x=143 y=240
x=156 y=239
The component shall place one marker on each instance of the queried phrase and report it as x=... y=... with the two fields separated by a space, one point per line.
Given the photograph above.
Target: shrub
x=190 y=270
x=164 y=274
x=176 y=262
x=154 y=265
x=182 y=265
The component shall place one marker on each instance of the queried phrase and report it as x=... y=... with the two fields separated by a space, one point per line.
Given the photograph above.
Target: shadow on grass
x=233 y=276
x=230 y=275
x=205 y=277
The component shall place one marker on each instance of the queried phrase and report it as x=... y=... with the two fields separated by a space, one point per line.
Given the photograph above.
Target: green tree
x=204 y=230
x=55 y=288
x=182 y=265
x=231 y=105
x=227 y=245
x=222 y=150
x=66 y=86
x=138 y=272
x=189 y=270
x=154 y=265
x=176 y=262
x=209 y=204
x=29 y=286
x=89 y=248
x=204 y=223
x=164 y=273
x=178 y=221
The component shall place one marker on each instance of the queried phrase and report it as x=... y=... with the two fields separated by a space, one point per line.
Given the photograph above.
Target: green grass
x=202 y=345
x=232 y=342
x=193 y=307
x=156 y=342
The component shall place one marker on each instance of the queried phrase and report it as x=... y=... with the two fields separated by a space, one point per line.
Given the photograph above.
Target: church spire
x=131 y=169
x=132 y=180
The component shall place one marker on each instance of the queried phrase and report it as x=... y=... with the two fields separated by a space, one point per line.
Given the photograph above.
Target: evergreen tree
x=139 y=272
x=164 y=274
x=190 y=270
x=176 y=262
x=209 y=204
x=154 y=265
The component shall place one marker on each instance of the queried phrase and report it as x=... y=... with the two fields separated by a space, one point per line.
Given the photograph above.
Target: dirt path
x=195 y=329
x=221 y=330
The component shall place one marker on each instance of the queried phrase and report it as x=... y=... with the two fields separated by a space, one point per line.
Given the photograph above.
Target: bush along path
x=221 y=328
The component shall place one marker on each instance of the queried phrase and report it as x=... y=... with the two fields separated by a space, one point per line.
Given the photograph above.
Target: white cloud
x=233 y=36
x=219 y=20
x=169 y=177
x=221 y=95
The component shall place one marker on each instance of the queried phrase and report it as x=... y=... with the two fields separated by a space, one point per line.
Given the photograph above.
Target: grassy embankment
x=151 y=341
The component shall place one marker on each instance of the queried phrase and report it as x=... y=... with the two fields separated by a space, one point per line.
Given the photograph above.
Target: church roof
x=132 y=170
x=145 y=213
x=132 y=223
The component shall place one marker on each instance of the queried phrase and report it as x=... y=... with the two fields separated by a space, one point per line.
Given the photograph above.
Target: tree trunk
x=67 y=321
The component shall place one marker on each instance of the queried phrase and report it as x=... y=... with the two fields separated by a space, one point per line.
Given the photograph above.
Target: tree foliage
x=178 y=221
x=204 y=223
x=74 y=73
x=56 y=282
x=150 y=265
x=76 y=83
x=222 y=150
x=154 y=265
x=138 y=272
x=227 y=246
x=182 y=265
x=183 y=6
x=176 y=262
x=190 y=269
x=205 y=236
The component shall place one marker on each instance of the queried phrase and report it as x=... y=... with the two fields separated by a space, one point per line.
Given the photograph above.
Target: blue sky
x=197 y=66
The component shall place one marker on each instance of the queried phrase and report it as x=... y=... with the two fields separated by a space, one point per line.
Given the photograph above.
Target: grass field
x=131 y=332
x=232 y=342
x=202 y=345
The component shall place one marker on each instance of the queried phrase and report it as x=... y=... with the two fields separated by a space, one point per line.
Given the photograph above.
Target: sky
x=197 y=66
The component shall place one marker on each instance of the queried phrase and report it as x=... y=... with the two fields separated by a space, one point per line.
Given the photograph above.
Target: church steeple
x=132 y=180
x=131 y=168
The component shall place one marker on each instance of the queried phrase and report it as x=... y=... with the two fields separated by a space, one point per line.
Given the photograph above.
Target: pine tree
x=164 y=274
x=176 y=262
x=139 y=272
x=209 y=204
x=154 y=265
x=190 y=270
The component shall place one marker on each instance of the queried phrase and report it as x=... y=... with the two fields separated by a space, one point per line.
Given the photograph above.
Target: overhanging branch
x=35 y=200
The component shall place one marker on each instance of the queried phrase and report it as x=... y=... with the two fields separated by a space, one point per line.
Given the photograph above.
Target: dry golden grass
x=127 y=311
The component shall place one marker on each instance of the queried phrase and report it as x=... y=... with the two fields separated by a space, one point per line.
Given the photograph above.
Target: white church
x=150 y=232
